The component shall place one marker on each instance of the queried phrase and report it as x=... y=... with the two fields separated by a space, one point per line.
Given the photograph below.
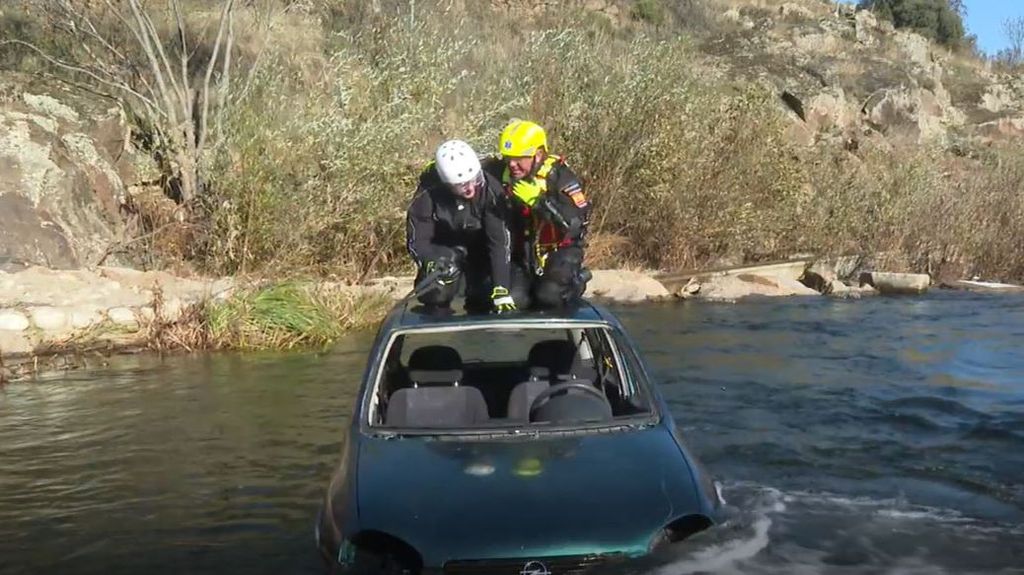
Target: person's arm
x=419 y=229
x=567 y=204
x=499 y=240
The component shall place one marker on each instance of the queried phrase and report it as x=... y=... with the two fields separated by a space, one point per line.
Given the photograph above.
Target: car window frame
x=370 y=402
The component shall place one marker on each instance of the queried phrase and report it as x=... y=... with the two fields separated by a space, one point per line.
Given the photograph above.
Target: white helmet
x=457 y=163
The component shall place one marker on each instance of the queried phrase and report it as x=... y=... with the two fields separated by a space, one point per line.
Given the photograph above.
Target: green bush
x=939 y=20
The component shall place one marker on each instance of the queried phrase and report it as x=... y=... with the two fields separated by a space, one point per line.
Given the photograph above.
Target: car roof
x=411 y=314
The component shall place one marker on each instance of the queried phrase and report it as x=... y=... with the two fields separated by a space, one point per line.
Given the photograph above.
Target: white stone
x=734 y=287
x=13 y=320
x=625 y=286
x=14 y=343
x=122 y=316
x=48 y=318
x=85 y=317
x=146 y=313
x=172 y=309
x=887 y=282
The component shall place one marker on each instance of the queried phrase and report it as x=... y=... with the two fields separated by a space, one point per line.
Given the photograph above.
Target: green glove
x=503 y=302
x=527 y=191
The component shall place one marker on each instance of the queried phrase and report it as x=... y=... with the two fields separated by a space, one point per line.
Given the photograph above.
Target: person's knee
x=440 y=293
x=439 y=296
x=550 y=293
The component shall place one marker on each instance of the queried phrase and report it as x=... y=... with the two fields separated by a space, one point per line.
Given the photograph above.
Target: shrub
x=939 y=20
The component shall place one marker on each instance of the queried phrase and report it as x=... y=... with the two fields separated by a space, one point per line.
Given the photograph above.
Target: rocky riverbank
x=46 y=313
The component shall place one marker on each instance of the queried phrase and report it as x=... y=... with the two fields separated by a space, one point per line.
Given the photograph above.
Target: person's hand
x=527 y=191
x=503 y=302
x=446 y=270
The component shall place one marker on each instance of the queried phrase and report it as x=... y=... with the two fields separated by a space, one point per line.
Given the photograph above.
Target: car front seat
x=436 y=398
x=548 y=360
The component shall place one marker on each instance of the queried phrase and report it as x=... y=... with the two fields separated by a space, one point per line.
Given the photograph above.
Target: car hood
x=531 y=497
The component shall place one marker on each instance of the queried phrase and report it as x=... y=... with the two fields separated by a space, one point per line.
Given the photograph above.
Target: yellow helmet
x=522 y=138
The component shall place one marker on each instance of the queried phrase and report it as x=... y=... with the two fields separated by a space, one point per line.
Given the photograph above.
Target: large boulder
x=625 y=286
x=729 y=288
x=60 y=188
x=917 y=114
x=866 y=26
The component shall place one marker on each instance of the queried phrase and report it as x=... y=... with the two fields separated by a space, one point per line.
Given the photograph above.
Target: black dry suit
x=440 y=225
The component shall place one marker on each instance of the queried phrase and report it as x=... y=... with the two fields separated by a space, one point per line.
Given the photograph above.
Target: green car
x=529 y=444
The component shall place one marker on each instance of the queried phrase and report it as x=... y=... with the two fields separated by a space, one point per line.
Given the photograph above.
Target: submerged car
x=531 y=444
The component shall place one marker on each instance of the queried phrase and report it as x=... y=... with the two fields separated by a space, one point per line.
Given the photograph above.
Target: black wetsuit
x=438 y=222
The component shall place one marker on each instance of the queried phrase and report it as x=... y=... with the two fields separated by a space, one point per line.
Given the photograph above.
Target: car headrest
x=554 y=354
x=435 y=376
x=435 y=358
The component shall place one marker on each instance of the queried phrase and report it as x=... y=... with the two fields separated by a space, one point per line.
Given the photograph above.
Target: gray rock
x=60 y=193
x=13 y=320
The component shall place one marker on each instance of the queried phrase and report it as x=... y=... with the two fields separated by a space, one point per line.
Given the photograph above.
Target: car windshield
x=506 y=375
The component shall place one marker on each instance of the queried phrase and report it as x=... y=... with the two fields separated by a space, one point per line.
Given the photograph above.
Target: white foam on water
x=756 y=504
x=718 y=557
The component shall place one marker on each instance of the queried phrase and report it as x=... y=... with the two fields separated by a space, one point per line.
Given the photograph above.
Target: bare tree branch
x=225 y=81
x=147 y=24
x=224 y=17
x=184 y=48
x=80 y=70
x=145 y=42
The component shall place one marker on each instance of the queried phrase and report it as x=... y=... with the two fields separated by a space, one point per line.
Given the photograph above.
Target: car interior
x=486 y=377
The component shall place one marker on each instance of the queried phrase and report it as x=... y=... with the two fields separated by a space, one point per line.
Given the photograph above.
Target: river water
x=876 y=436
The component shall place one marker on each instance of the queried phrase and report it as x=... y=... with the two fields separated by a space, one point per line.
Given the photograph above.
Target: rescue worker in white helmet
x=456 y=230
x=549 y=216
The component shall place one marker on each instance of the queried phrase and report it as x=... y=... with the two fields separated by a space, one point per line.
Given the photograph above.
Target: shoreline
x=64 y=319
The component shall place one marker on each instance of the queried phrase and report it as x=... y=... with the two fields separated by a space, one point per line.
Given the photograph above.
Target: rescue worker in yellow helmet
x=548 y=217
x=456 y=232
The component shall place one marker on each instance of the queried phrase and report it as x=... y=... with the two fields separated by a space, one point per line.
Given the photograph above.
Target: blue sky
x=985 y=19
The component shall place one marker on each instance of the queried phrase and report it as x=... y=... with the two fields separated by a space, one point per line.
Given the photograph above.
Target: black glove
x=548 y=209
x=446 y=269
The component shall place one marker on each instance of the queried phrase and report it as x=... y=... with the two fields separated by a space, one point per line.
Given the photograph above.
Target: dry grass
x=346 y=104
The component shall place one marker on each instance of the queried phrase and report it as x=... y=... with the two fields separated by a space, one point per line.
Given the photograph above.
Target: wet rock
x=982 y=286
x=839 y=289
x=896 y=283
x=48 y=318
x=13 y=320
x=819 y=277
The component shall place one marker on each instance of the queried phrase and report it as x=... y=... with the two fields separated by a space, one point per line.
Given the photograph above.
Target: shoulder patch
x=575 y=193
